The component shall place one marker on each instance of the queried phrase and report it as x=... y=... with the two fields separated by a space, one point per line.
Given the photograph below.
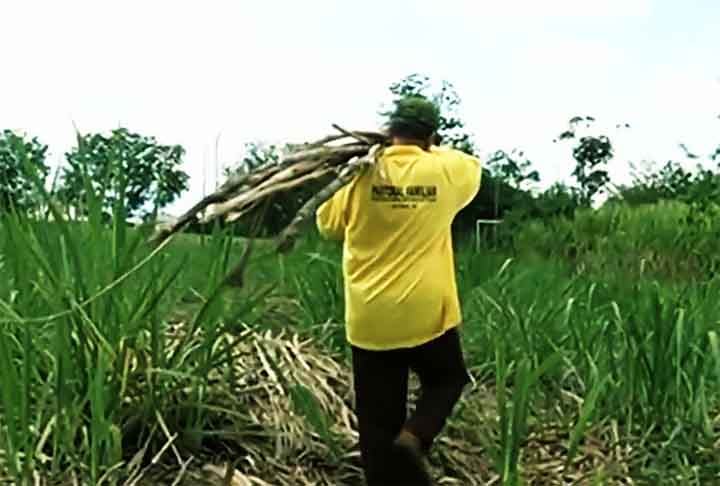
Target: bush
x=668 y=238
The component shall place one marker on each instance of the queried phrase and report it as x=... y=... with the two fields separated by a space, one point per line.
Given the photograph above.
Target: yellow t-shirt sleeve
x=464 y=173
x=470 y=184
x=331 y=216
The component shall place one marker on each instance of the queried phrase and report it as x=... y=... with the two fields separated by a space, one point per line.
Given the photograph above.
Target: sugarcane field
x=324 y=244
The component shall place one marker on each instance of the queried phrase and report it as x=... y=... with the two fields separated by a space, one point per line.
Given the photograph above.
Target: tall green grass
x=640 y=353
x=105 y=345
x=311 y=278
x=669 y=240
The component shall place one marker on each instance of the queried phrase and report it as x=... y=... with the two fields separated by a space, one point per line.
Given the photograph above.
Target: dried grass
x=292 y=452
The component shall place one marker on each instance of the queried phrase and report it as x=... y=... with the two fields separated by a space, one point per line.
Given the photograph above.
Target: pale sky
x=190 y=72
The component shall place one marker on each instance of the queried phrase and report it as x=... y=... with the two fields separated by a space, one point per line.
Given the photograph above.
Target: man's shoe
x=409 y=447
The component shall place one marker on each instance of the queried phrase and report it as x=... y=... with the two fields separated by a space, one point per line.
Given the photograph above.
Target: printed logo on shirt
x=398 y=194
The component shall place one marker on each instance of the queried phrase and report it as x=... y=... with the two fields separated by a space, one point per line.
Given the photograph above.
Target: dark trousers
x=381 y=389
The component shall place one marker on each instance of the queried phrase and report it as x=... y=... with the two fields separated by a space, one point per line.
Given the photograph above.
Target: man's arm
x=331 y=216
x=470 y=185
x=463 y=171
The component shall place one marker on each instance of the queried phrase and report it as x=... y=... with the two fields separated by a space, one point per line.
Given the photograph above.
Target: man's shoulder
x=445 y=152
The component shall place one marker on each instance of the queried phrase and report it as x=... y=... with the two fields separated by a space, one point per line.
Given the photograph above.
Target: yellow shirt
x=398 y=264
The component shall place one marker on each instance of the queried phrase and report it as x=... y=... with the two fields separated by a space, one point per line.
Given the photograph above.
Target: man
x=402 y=307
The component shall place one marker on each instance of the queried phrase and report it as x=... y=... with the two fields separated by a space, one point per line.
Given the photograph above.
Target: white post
x=478 y=222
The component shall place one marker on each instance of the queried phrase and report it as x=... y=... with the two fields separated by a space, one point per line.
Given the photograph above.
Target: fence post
x=479 y=222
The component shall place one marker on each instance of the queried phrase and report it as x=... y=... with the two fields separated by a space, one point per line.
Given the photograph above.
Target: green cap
x=416 y=110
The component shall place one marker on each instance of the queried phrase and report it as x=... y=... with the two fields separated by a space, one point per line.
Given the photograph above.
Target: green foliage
x=513 y=168
x=22 y=169
x=650 y=185
x=638 y=352
x=495 y=199
x=123 y=166
x=558 y=200
x=672 y=181
x=519 y=208
x=311 y=410
x=255 y=156
x=89 y=365
x=668 y=239
x=514 y=410
x=694 y=210
x=591 y=155
x=89 y=374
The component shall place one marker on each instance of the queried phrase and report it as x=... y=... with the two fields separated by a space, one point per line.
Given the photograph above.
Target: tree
x=557 y=200
x=22 y=168
x=256 y=154
x=513 y=168
x=123 y=166
x=591 y=155
x=650 y=185
x=699 y=188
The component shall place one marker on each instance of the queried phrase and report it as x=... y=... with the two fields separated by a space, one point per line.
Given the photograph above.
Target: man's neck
x=423 y=144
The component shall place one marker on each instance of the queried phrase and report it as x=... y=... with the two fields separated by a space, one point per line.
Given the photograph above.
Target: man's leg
x=381 y=386
x=443 y=376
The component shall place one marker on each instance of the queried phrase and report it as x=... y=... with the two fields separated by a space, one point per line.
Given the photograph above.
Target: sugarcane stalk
x=342 y=152
x=279 y=183
x=318 y=174
x=317 y=143
x=241 y=193
x=356 y=135
x=278 y=177
x=371 y=138
x=236 y=277
x=225 y=191
x=286 y=240
x=310 y=160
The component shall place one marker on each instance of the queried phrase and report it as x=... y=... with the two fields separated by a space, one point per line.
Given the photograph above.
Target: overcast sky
x=190 y=72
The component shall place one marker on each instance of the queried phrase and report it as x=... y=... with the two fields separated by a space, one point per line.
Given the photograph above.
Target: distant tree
x=699 y=188
x=591 y=154
x=513 y=168
x=123 y=166
x=22 y=168
x=558 y=200
x=702 y=190
x=255 y=155
x=650 y=185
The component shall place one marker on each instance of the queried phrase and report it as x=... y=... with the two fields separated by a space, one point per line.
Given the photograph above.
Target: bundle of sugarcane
x=340 y=157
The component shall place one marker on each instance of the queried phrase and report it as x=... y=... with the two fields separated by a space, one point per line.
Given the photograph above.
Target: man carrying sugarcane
x=402 y=306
